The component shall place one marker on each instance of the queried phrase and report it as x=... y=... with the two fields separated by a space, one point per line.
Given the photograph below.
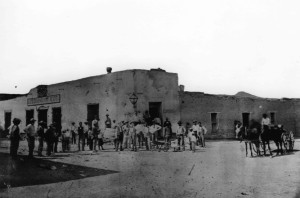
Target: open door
x=155 y=111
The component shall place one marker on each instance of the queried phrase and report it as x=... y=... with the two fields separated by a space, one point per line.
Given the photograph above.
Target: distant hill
x=243 y=94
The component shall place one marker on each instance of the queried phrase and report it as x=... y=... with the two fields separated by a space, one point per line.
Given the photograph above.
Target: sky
x=215 y=46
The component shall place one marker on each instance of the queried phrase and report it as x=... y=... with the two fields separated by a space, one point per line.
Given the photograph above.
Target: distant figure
x=100 y=140
x=118 y=137
x=81 y=137
x=167 y=133
x=126 y=138
x=132 y=133
x=73 y=133
x=31 y=133
x=50 y=138
x=95 y=122
x=153 y=129
x=107 y=122
x=265 y=123
x=147 y=118
x=56 y=136
x=180 y=133
x=238 y=128
x=14 y=136
x=202 y=132
x=41 y=134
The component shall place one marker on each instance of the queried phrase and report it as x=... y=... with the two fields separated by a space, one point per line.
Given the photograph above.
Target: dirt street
x=219 y=170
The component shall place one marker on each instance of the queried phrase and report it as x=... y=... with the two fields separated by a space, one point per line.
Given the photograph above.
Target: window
x=214 y=122
x=246 y=119
x=92 y=112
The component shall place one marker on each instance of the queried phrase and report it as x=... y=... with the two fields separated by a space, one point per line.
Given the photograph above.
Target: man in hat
x=40 y=134
x=14 y=136
x=31 y=133
x=50 y=138
x=180 y=132
x=196 y=130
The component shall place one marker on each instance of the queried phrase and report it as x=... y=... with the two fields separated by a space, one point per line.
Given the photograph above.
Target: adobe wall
x=110 y=91
x=229 y=108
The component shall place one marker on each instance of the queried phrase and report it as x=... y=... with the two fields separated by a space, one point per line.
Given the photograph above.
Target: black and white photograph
x=140 y=98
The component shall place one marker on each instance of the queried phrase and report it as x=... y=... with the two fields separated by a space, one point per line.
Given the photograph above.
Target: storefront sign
x=43 y=100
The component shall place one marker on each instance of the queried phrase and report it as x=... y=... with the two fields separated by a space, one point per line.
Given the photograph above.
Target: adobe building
x=113 y=93
x=126 y=95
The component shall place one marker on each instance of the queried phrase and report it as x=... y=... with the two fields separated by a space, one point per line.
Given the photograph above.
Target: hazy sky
x=215 y=46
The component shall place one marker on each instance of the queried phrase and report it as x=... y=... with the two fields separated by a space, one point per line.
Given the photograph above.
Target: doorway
x=7 y=119
x=155 y=111
x=92 y=111
x=56 y=117
x=246 y=119
x=214 y=122
x=29 y=115
x=43 y=115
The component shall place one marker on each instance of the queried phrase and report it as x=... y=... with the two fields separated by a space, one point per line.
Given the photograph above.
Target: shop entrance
x=56 y=117
x=155 y=111
x=43 y=115
x=29 y=115
x=92 y=111
x=7 y=119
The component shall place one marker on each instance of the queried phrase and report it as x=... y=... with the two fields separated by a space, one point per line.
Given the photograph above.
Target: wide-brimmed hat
x=16 y=120
x=32 y=120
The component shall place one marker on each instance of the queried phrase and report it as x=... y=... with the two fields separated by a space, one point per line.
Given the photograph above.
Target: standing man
x=265 y=123
x=40 y=134
x=180 y=132
x=202 y=132
x=73 y=132
x=153 y=129
x=49 y=138
x=126 y=138
x=14 y=136
x=31 y=133
x=56 y=136
x=118 y=136
x=196 y=130
x=81 y=137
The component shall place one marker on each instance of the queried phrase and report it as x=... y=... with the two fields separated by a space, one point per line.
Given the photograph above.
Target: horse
x=273 y=134
x=250 y=137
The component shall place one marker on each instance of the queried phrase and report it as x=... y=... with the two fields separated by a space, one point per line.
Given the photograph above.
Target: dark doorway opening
x=56 y=117
x=92 y=111
x=214 y=122
x=29 y=115
x=7 y=119
x=43 y=115
x=155 y=111
x=246 y=119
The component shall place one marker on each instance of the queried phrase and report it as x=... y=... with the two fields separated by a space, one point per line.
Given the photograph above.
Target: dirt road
x=219 y=170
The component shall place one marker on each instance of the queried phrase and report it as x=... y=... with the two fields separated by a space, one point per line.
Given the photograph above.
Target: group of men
x=42 y=133
x=127 y=135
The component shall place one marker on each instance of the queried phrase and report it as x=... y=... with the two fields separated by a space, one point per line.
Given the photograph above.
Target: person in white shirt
x=193 y=141
x=265 y=123
x=201 y=133
x=147 y=136
x=196 y=129
x=126 y=136
x=30 y=132
x=180 y=133
x=153 y=129
x=73 y=132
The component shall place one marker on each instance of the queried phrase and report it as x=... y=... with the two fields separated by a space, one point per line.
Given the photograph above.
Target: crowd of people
x=135 y=135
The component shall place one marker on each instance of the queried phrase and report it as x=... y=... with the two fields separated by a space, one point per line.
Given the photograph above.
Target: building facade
x=155 y=91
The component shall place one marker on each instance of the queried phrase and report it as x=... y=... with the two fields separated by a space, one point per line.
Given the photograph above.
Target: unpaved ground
x=220 y=170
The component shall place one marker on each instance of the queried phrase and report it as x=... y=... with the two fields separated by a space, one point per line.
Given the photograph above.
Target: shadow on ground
x=22 y=171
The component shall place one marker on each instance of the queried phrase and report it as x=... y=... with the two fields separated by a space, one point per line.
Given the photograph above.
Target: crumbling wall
x=199 y=106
